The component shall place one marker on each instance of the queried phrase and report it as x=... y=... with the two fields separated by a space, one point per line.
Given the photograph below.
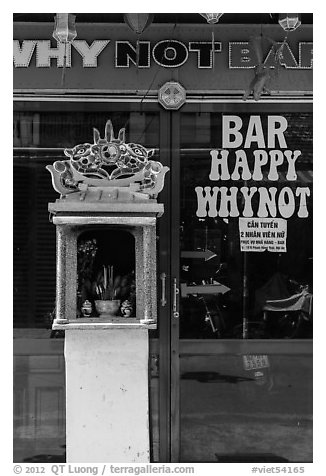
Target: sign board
x=260 y=234
x=270 y=154
x=104 y=57
x=246 y=182
x=254 y=362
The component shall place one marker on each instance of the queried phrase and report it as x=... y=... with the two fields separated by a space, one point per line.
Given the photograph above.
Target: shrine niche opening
x=106 y=270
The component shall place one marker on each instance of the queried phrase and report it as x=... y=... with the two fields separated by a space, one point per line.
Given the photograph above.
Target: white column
x=107 y=395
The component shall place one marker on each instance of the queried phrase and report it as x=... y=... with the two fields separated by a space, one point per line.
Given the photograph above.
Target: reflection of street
x=227 y=412
x=227 y=437
x=213 y=377
x=39 y=404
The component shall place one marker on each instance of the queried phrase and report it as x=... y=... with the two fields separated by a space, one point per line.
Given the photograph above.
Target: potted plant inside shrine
x=102 y=291
x=107 y=290
x=110 y=290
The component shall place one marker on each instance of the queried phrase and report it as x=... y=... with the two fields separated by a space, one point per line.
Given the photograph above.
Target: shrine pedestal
x=108 y=190
x=107 y=394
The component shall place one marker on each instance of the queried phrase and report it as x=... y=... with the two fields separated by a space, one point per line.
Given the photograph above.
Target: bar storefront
x=212 y=118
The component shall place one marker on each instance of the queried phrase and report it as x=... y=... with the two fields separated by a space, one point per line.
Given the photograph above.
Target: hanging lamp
x=289 y=21
x=64 y=27
x=211 y=17
x=64 y=32
x=138 y=22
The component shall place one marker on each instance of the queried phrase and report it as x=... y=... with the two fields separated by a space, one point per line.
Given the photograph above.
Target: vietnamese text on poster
x=260 y=234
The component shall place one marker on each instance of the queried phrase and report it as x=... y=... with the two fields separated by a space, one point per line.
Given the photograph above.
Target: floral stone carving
x=110 y=167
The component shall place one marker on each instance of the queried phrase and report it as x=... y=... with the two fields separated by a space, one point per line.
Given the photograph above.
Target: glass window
x=41 y=132
x=39 y=140
x=234 y=413
x=254 y=195
x=245 y=354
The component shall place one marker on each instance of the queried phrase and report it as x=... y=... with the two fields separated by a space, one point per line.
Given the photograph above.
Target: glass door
x=241 y=373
